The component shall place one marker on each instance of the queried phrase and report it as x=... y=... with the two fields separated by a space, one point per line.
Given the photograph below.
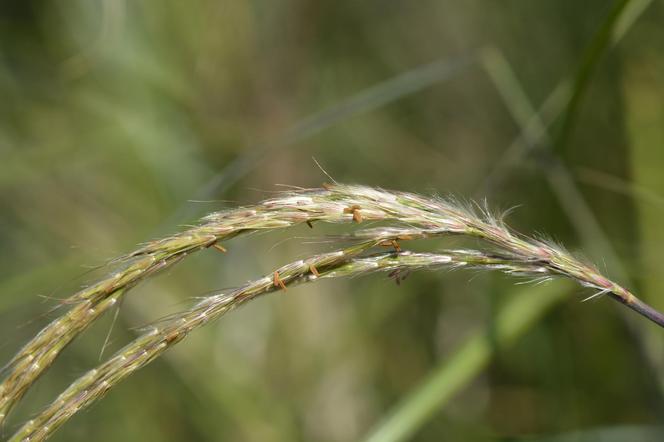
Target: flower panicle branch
x=158 y=338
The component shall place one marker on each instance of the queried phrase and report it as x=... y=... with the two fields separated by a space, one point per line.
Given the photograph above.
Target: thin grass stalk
x=343 y=263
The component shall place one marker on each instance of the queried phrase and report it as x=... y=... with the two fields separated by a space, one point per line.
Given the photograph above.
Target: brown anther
x=219 y=247
x=311 y=226
x=278 y=282
x=355 y=210
x=357 y=217
x=314 y=270
x=391 y=243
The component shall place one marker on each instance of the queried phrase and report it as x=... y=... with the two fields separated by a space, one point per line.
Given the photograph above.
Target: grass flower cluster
x=413 y=217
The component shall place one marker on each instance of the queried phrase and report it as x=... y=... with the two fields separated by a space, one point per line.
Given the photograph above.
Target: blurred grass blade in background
x=520 y=313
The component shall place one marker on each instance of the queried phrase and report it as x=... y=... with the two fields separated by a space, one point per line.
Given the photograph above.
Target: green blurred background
x=123 y=121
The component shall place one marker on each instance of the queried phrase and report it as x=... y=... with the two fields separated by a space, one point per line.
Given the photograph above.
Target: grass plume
x=417 y=217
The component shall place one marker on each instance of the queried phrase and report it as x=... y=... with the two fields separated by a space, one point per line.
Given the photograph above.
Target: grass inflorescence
x=414 y=216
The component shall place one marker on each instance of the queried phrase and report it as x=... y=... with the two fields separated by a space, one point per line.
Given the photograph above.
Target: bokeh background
x=122 y=121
